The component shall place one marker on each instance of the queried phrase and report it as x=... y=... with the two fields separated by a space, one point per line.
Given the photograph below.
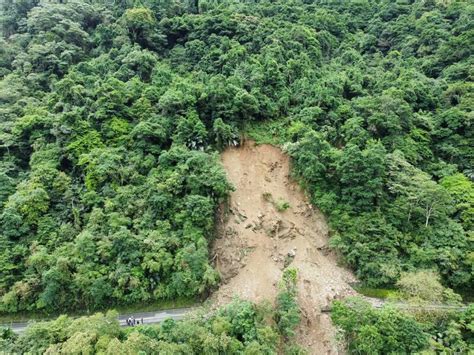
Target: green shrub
x=281 y=205
x=378 y=331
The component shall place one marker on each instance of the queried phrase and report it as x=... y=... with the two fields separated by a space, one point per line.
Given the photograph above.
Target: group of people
x=133 y=322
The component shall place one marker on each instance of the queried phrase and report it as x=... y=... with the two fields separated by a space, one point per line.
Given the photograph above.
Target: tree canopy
x=112 y=114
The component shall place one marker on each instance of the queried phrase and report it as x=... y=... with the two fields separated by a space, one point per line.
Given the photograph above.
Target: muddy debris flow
x=268 y=225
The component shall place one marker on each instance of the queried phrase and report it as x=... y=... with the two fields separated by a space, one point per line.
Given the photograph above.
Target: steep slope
x=267 y=225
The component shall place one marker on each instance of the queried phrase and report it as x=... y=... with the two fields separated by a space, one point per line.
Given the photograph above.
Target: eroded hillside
x=268 y=225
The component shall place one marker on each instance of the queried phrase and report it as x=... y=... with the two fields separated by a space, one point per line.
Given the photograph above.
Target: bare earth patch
x=268 y=225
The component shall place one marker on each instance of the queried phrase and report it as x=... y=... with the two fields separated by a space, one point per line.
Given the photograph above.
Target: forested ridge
x=112 y=115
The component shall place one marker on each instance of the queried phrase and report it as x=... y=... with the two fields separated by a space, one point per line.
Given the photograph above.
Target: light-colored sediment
x=256 y=241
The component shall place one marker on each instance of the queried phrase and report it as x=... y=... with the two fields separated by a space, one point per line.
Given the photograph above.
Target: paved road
x=155 y=317
x=148 y=318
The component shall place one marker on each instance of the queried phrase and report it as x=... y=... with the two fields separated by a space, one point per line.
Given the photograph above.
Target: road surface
x=148 y=318
x=180 y=313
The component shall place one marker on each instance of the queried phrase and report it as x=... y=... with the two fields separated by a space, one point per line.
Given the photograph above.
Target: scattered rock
x=242 y=217
x=251 y=263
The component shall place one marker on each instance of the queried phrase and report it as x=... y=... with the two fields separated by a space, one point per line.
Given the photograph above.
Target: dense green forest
x=389 y=331
x=112 y=114
x=237 y=328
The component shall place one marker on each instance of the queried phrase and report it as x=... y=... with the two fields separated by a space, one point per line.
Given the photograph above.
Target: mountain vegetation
x=240 y=327
x=112 y=114
x=391 y=331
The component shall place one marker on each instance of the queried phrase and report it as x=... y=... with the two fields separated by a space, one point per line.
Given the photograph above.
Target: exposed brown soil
x=256 y=242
